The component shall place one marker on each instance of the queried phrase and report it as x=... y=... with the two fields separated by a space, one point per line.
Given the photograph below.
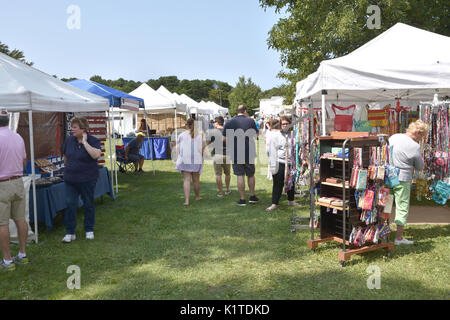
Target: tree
x=245 y=92
x=316 y=30
x=170 y=83
x=16 y=54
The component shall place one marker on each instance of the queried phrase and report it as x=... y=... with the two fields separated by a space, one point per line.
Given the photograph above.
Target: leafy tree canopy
x=16 y=54
x=245 y=92
x=311 y=31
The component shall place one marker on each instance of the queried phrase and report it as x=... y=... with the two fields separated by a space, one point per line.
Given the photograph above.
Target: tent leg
x=324 y=131
x=176 y=130
x=110 y=152
x=33 y=176
x=149 y=144
x=114 y=139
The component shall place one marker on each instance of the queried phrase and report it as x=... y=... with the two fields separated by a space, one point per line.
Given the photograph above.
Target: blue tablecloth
x=53 y=199
x=158 y=149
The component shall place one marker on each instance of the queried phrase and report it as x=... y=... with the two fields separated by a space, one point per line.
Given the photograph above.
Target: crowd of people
x=233 y=144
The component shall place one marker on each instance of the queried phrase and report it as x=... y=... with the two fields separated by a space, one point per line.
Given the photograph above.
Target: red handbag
x=343 y=122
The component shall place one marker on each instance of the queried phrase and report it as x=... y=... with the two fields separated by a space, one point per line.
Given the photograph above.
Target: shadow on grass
x=149 y=246
x=316 y=285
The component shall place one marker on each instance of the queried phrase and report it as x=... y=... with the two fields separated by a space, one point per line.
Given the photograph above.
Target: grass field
x=149 y=246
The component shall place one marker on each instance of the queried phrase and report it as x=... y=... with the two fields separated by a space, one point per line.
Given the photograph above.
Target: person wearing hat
x=13 y=158
x=132 y=152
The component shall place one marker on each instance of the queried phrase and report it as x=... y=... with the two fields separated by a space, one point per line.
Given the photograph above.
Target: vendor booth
x=362 y=99
x=165 y=116
x=25 y=89
x=119 y=102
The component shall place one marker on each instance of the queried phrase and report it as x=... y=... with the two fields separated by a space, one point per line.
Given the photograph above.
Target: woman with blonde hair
x=406 y=156
x=190 y=147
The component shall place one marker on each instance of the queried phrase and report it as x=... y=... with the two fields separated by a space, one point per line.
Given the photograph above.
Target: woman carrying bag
x=406 y=156
x=279 y=153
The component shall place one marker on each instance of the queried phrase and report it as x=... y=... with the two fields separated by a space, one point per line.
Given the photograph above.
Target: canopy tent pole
x=324 y=132
x=176 y=130
x=114 y=142
x=149 y=138
x=122 y=124
x=33 y=175
x=110 y=151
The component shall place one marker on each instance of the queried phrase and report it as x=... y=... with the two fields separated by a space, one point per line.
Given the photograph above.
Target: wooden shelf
x=335 y=159
x=331 y=206
x=337 y=185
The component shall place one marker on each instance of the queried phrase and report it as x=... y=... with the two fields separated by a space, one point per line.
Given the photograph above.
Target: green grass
x=149 y=246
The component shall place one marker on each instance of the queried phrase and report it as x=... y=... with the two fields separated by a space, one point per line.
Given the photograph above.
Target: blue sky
x=141 y=40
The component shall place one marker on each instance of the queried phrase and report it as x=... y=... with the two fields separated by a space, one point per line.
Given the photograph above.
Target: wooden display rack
x=337 y=225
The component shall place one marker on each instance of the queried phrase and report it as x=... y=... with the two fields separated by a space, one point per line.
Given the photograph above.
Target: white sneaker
x=69 y=238
x=403 y=241
x=90 y=235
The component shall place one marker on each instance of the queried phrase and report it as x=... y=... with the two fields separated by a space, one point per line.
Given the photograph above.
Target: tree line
x=245 y=91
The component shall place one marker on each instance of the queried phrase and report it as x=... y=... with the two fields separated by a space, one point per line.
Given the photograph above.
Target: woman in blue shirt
x=81 y=152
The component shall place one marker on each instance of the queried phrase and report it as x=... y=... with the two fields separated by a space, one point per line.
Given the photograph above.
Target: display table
x=53 y=199
x=158 y=149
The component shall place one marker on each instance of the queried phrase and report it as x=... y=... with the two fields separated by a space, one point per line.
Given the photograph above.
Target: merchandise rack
x=336 y=221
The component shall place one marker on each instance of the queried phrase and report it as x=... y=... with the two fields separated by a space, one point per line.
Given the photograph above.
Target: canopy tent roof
x=155 y=102
x=404 y=62
x=117 y=99
x=272 y=106
x=216 y=108
x=24 y=88
x=165 y=93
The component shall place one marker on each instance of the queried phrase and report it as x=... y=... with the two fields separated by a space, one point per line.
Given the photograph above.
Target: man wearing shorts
x=13 y=159
x=221 y=161
x=240 y=134
x=132 y=152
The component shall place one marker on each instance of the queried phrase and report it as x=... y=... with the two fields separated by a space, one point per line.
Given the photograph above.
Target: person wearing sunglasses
x=279 y=152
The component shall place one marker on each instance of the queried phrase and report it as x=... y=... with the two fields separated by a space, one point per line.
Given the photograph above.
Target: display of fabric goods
x=364 y=125
x=379 y=118
x=436 y=154
x=343 y=122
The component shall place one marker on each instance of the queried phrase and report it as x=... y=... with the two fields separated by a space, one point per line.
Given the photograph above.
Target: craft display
x=434 y=182
x=343 y=122
x=360 y=221
x=45 y=165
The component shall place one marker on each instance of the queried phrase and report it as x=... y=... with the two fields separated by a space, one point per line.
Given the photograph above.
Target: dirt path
x=429 y=215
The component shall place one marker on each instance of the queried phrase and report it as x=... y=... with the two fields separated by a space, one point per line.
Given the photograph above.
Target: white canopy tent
x=23 y=88
x=404 y=62
x=216 y=109
x=155 y=103
x=271 y=107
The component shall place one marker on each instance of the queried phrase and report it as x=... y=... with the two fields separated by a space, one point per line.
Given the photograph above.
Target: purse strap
x=333 y=106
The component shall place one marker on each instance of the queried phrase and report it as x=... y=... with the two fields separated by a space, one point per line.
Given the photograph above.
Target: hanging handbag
x=372 y=172
x=361 y=182
x=383 y=197
x=378 y=118
x=389 y=204
x=343 y=122
x=329 y=122
x=381 y=171
x=441 y=192
x=368 y=200
x=363 y=125
x=392 y=177
x=354 y=177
